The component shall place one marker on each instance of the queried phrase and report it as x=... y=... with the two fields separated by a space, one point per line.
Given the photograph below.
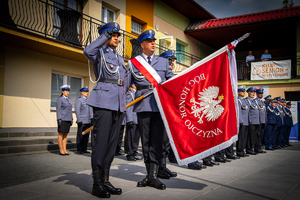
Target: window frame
x=142 y=26
x=105 y=14
x=65 y=79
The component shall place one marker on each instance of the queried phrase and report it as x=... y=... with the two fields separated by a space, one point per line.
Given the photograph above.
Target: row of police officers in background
x=262 y=122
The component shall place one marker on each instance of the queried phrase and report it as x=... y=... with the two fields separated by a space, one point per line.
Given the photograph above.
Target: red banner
x=198 y=107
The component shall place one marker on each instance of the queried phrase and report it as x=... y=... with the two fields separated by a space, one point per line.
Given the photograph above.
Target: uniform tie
x=149 y=60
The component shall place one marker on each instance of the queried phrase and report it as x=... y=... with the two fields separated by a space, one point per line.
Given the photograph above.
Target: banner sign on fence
x=267 y=70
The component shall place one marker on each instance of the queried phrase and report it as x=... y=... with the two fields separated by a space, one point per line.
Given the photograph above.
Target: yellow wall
x=27 y=87
x=141 y=10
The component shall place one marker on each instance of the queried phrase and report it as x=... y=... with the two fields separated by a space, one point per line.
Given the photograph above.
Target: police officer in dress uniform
x=262 y=119
x=84 y=114
x=108 y=101
x=267 y=100
x=289 y=123
x=150 y=122
x=280 y=123
x=64 y=118
x=132 y=135
x=272 y=113
x=284 y=127
x=244 y=123
x=253 y=121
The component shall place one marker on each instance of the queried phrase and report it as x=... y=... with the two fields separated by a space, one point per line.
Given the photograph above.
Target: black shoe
x=153 y=181
x=163 y=165
x=79 y=152
x=194 y=166
x=131 y=158
x=251 y=153
x=232 y=157
x=144 y=182
x=263 y=151
x=86 y=152
x=107 y=185
x=209 y=164
x=173 y=161
x=66 y=154
x=62 y=154
x=162 y=173
x=227 y=160
x=289 y=145
x=214 y=162
x=221 y=160
x=138 y=157
x=270 y=149
x=258 y=151
x=98 y=189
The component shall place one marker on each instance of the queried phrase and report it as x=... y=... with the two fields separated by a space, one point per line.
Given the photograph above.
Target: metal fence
x=244 y=69
x=51 y=19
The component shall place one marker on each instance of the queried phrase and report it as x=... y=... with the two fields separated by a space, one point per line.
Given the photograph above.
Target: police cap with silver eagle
x=84 y=89
x=283 y=100
x=111 y=25
x=274 y=100
x=251 y=89
x=65 y=87
x=241 y=88
x=278 y=98
x=146 y=35
x=168 y=54
x=259 y=90
x=289 y=103
x=268 y=97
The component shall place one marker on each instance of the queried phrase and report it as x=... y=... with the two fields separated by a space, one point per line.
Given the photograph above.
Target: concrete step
x=35 y=148
x=13 y=145
x=30 y=134
x=20 y=141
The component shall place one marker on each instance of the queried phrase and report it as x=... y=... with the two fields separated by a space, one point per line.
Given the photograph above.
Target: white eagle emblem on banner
x=208 y=105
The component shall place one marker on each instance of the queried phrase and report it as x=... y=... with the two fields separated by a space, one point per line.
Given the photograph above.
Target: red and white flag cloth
x=199 y=106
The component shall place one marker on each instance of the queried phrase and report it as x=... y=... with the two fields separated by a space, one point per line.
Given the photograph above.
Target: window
x=108 y=15
x=58 y=80
x=180 y=50
x=136 y=27
x=67 y=5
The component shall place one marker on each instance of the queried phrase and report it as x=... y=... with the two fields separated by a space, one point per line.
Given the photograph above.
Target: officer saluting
x=244 y=123
x=150 y=122
x=253 y=121
x=108 y=101
x=262 y=119
x=271 y=124
x=84 y=114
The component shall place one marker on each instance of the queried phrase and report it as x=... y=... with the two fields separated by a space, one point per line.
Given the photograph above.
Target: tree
x=288 y=3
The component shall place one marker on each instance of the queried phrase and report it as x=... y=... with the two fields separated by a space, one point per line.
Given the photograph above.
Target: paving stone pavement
x=275 y=175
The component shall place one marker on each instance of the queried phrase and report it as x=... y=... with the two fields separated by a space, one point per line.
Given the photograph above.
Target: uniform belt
x=114 y=81
x=141 y=87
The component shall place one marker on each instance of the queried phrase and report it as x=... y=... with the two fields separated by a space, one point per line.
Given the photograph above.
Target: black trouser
x=278 y=136
x=252 y=137
x=132 y=138
x=206 y=159
x=229 y=151
x=242 y=140
x=260 y=137
x=120 y=138
x=151 y=128
x=287 y=135
x=220 y=154
x=166 y=145
x=107 y=124
x=82 y=140
x=171 y=155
